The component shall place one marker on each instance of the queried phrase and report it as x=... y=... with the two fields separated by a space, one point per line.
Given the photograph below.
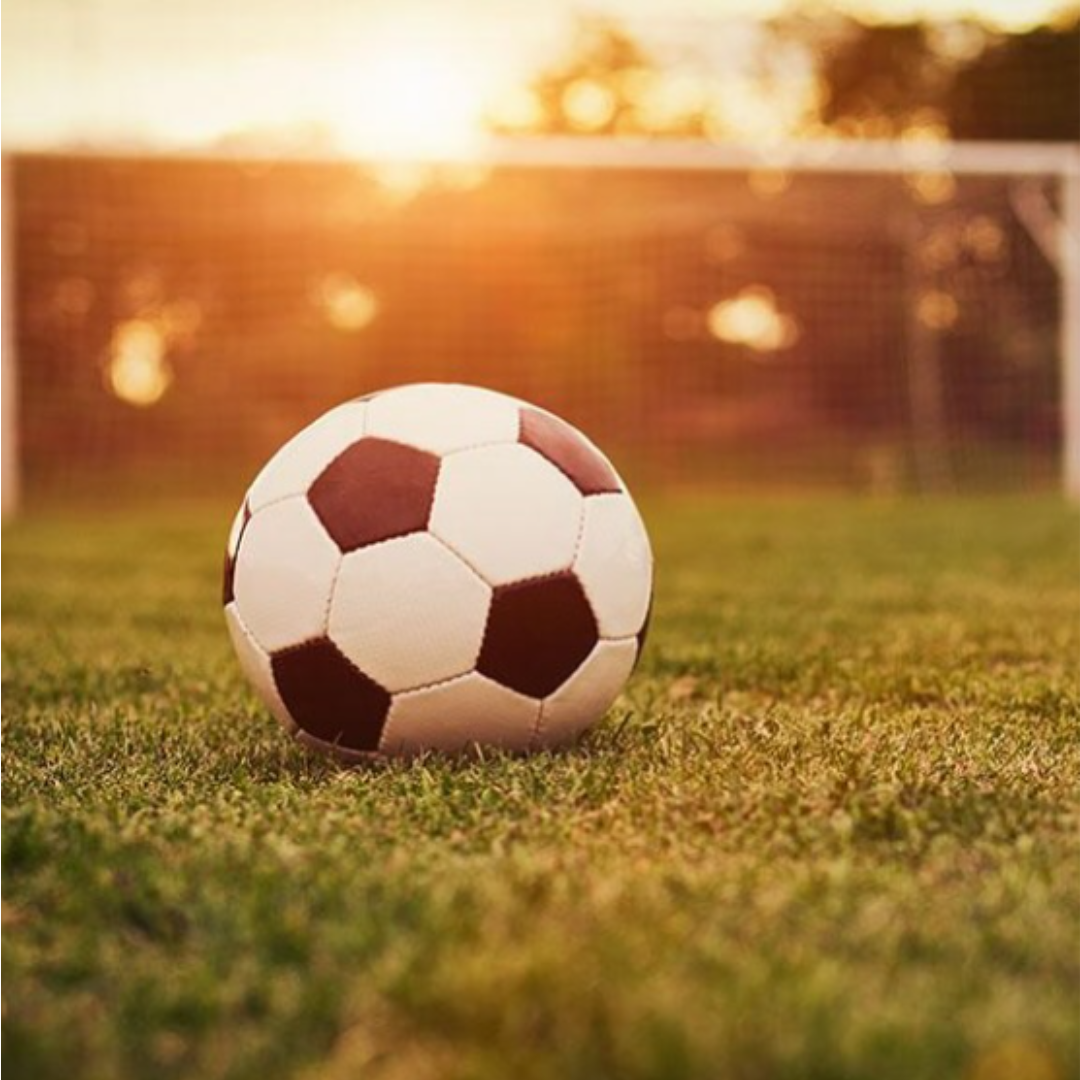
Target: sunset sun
x=407 y=100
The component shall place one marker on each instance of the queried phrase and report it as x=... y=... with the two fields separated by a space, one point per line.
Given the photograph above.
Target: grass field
x=831 y=830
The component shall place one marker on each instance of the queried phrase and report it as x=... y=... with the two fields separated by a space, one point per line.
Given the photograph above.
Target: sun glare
x=379 y=79
x=407 y=100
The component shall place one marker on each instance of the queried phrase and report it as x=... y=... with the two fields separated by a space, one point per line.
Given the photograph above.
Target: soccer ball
x=437 y=567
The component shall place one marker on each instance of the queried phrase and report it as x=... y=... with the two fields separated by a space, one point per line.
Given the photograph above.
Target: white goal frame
x=9 y=413
x=1058 y=235
x=1056 y=232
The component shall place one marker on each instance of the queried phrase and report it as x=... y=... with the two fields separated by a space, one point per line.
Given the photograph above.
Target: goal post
x=9 y=437
x=992 y=159
x=1069 y=248
x=795 y=313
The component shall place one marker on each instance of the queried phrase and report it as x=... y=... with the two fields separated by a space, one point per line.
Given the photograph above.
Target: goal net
x=828 y=316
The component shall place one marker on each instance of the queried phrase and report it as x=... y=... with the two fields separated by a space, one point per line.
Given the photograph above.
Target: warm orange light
x=984 y=238
x=937 y=310
x=663 y=102
x=724 y=243
x=925 y=127
x=766 y=111
x=931 y=188
x=682 y=323
x=464 y=175
x=137 y=370
x=180 y=319
x=345 y=303
x=516 y=108
x=752 y=318
x=768 y=183
x=386 y=78
x=589 y=105
x=73 y=298
x=940 y=248
x=401 y=181
x=1011 y=15
x=407 y=99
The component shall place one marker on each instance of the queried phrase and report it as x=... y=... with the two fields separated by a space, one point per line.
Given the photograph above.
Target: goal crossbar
x=675 y=155
x=811 y=155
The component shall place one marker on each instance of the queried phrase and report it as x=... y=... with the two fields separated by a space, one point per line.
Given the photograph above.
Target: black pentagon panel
x=375 y=490
x=329 y=697
x=228 y=578
x=643 y=634
x=538 y=633
x=557 y=441
x=229 y=574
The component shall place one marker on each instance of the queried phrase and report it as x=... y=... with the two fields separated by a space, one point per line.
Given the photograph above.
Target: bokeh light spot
x=931 y=188
x=589 y=105
x=137 y=370
x=937 y=310
x=345 y=303
x=940 y=248
x=753 y=318
x=984 y=238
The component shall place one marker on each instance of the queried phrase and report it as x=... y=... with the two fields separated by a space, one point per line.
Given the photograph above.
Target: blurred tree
x=876 y=80
x=881 y=79
x=1026 y=86
x=875 y=76
x=606 y=85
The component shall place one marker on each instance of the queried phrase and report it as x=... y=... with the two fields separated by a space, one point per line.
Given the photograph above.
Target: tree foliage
x=876 y=80
x=1010 y=86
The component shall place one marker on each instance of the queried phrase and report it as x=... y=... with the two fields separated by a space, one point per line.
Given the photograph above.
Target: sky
x=379 y=74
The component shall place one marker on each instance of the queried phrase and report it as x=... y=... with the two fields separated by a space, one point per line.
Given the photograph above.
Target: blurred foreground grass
x=829 y=831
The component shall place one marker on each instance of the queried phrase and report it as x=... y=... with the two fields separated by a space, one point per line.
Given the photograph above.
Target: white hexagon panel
x=284 y=574
x=441 y=418
x=408 y=612
x=614 y=564
x=293 y=468
x=256 y=666
x=510 y=513
x=470 y=711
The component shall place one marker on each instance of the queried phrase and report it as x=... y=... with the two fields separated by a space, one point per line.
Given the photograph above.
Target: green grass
x=831 y=829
